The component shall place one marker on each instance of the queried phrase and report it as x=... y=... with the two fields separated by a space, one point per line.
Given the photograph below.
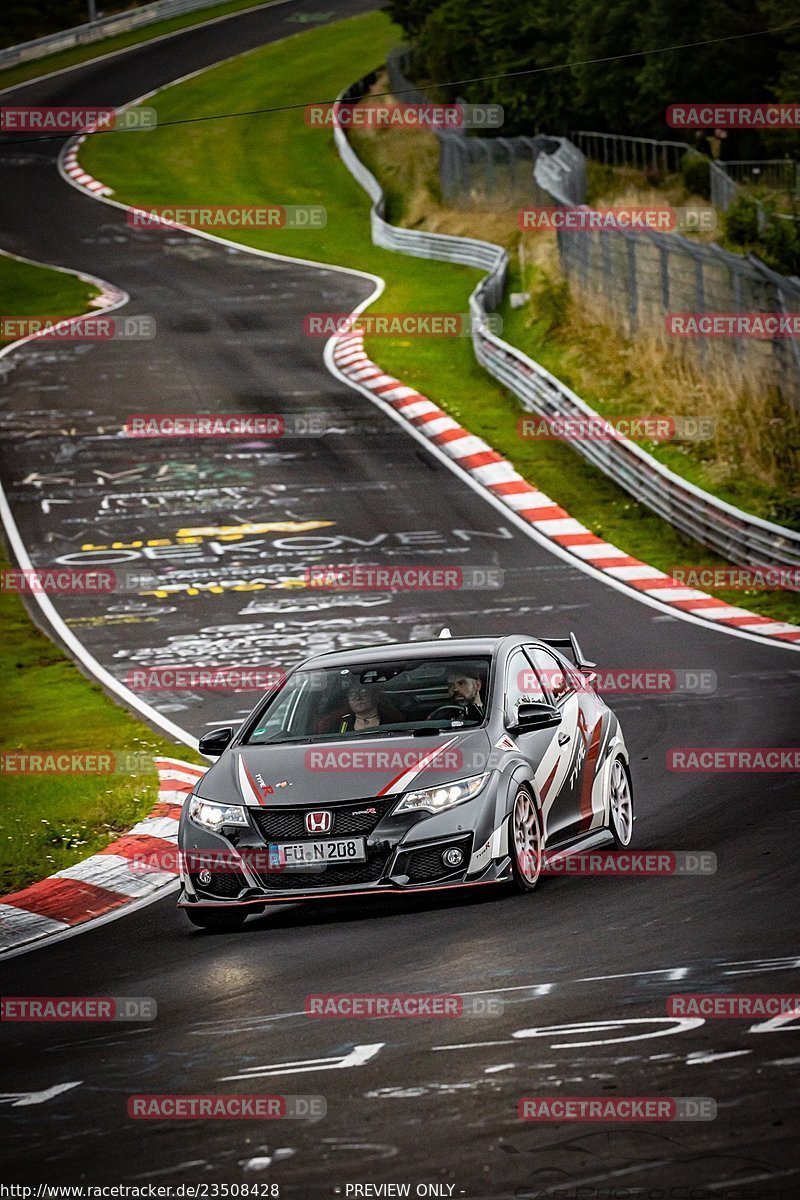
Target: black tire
x=526 y=859
x=217 y=920
x=620 y=801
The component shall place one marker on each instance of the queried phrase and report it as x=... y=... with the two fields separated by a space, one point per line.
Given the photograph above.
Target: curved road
x=429 y=1102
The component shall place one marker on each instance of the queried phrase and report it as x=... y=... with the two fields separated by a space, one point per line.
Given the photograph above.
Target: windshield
x=398 y=696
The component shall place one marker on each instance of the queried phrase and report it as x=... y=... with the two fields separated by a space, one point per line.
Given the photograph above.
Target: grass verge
x=27 y=290
x=12 y=76
x=48 y=822
x=277 y=158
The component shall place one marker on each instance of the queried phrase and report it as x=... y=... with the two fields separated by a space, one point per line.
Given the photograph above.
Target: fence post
x=699 y=295
x=633 y=296
x=663 y=262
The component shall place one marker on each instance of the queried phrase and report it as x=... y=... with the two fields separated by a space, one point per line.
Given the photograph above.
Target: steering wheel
x=454 y=712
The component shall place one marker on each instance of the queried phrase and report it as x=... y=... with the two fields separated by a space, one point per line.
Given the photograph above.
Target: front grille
x=288 y=824
x=226 y=884
x=422 y=866
x=338 y=876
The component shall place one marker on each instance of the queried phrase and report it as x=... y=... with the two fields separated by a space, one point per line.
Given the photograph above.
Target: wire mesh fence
x=737 y=535
x=616 y=150
x=641 y=279
x=777 y=174
x=472 y=168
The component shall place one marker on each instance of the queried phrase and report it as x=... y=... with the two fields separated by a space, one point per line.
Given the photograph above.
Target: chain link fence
x=472 y=168
x=737 y=535
x=777 y=174
x=643 y=154
x=644 y=276
x=639 y=277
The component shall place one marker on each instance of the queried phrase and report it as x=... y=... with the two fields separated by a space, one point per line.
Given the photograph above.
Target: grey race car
x=441 y=764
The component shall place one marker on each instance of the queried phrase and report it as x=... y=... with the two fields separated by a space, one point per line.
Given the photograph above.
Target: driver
x=465 y=682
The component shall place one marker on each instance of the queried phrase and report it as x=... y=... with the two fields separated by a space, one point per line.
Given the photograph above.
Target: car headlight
x=436 y=799
x=210 y=815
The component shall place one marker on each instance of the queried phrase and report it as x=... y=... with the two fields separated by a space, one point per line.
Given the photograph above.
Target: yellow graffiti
x=219 y=589
x=225 y=533
x=247 y=530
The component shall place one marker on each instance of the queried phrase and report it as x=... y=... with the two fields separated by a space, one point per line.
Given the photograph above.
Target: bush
x=741 y=221
x=696 y=174
x=552 y=304
x=779 y=244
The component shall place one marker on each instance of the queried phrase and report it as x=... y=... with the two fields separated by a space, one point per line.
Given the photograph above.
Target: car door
x=541 y=747
x=578 y=738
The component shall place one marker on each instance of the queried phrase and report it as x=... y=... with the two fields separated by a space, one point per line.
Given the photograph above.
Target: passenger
x=364 y=711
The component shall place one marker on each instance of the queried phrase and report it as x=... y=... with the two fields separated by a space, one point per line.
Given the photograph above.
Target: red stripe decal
x=589 y=774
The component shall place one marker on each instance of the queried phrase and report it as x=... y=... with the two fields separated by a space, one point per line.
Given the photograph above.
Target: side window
x=555 y=678
x=522 y=682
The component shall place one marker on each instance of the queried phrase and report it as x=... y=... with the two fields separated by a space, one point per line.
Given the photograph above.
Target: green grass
x=277 y=158
x=48 y=822
x=28 y=291
x=12 y=76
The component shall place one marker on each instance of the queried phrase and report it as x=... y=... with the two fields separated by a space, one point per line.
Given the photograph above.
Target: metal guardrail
x=779 y=174
x=618 y=150
x=726 y=179
x=96 y=31
x=739 y=536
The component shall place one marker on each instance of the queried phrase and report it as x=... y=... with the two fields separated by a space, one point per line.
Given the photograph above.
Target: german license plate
x=304 y=854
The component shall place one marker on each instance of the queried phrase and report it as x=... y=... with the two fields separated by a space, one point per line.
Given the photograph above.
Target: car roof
x=465 y=647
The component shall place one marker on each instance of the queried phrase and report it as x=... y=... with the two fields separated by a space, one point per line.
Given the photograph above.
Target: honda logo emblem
x=319 y=822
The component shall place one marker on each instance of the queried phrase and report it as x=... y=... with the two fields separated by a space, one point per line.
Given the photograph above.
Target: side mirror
x=215 y=742
x=535 y=715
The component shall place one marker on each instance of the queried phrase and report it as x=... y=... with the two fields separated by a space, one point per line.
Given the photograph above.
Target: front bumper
x=404 y=853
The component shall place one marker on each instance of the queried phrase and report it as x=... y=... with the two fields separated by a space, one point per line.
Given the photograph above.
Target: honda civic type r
x=426 y=765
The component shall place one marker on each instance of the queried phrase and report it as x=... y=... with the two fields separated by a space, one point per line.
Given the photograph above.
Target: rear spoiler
x=570 y=643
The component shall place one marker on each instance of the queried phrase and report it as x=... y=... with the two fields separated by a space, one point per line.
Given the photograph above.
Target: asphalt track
x=431 y=1101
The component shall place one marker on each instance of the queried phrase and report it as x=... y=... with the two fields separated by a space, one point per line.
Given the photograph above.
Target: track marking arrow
x=356 y=1058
